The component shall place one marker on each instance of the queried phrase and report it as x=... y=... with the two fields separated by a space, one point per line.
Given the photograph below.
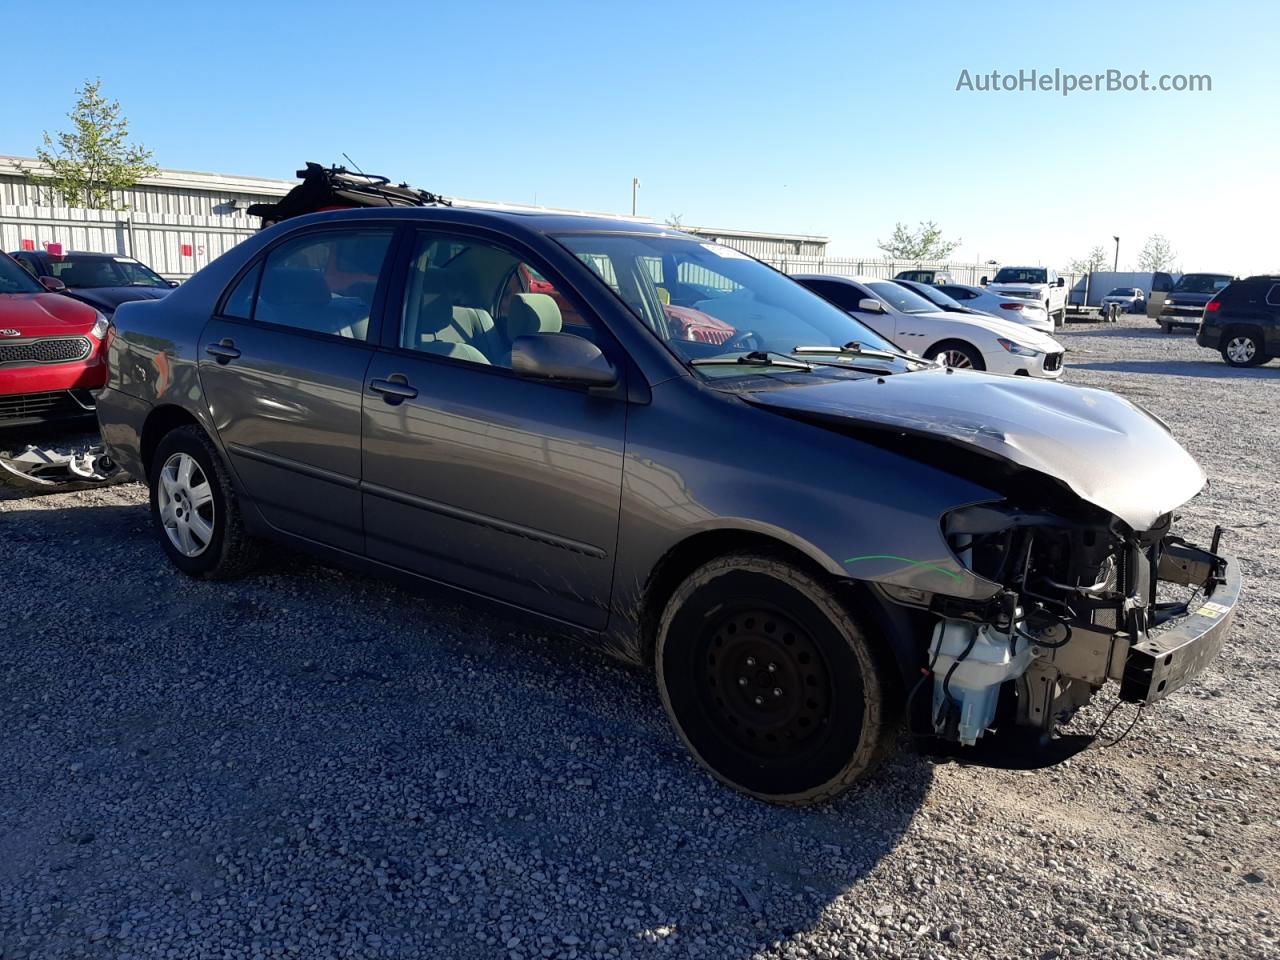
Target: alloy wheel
x=185 y=498
x=955 y=358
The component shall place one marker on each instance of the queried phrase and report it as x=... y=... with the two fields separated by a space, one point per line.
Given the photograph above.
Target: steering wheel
x=739 y=341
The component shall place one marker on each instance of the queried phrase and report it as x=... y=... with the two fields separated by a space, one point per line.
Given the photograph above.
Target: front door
x=474 y=476
x=1161 y=284
x=282 y=366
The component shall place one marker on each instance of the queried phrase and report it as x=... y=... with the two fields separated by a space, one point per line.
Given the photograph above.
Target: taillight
x=1213 y=306
x=1012 y=306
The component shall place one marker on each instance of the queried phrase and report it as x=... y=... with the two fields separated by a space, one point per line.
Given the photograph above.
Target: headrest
x=532 y=313
x=295 y=288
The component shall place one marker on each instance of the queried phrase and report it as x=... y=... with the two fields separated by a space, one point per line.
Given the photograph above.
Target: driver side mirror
x=870 y=305
x=562 y=358
x=53 y=284
x=982 y=282
x=173 y=283
x=1062 y=282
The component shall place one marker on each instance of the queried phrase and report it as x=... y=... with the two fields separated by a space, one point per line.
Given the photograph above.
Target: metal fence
x=174 y=245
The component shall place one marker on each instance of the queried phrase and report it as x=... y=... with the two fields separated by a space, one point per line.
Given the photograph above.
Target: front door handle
x=224 y=351
x=394 y=390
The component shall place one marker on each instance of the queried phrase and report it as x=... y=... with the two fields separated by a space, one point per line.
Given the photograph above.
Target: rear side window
x=239 y=302
x=321 y=282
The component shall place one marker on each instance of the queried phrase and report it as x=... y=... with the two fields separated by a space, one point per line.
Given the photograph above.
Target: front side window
x=715 y=303
x=322 y=282
x=13 y=279
x=470 y=300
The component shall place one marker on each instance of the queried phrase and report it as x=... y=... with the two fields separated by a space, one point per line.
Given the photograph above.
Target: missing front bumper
x=1158 y=665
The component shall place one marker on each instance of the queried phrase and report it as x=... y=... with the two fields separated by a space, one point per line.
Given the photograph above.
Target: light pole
x=635 y=187
x=1116 y=266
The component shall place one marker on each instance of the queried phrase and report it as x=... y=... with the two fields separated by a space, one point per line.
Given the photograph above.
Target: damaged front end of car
x=1068 y=576
x=1080 y=600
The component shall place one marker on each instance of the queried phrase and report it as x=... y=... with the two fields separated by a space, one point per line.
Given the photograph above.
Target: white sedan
x=1017 y=309
x=963 y=340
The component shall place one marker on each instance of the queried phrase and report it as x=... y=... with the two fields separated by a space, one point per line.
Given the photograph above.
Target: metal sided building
x=178 y=221
x=175 y=222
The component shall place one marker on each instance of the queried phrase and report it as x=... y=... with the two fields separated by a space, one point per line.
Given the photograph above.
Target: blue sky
x=836 y=119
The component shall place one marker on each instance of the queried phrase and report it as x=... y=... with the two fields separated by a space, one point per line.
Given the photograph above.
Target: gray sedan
x=680 y=455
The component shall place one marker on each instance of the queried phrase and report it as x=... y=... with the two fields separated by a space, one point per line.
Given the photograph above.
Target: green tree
x=924 y=243
x=1095 y=260
x=91 y=162
x=1157 y=254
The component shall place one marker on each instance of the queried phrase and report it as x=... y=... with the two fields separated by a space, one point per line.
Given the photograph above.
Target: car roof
x=75 y=253
x=838 y=277
x=536 y=221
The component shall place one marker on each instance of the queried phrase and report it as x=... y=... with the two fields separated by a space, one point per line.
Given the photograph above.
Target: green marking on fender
x=914 y=563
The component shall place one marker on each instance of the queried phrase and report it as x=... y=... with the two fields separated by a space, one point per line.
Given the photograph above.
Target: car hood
x=1009 y=329
x=44 y=315
x=1107 y=450
x=108 y=298
x=1030 y=289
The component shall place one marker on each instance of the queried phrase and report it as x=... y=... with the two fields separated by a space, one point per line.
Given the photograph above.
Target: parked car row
x=54 y=312
x=962 y=338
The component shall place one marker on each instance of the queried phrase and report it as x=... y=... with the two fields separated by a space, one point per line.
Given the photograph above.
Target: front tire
x=771 y=683
x=195 y=510
x=1243 y=348
x=957 y=354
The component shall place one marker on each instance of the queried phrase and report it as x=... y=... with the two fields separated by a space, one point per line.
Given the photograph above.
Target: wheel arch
x=160 y=421
x=902 y=630
x=1242 y=326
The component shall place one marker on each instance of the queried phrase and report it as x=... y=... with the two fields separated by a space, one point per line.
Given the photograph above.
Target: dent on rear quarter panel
x=698 y=460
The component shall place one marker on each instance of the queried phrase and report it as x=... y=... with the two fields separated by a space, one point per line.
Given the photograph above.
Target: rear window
x=1021 y=275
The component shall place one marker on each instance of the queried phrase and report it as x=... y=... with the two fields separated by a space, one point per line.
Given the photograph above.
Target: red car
x=51 y=355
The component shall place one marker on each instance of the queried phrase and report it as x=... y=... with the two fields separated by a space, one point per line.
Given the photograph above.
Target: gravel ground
x=309 y=763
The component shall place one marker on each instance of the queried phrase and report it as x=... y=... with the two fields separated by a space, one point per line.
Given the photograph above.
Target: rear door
x=1161 y=284
x=473 y=475
x=282 y=365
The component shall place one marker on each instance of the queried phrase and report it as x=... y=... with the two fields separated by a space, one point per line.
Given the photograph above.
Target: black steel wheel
x=770 y=682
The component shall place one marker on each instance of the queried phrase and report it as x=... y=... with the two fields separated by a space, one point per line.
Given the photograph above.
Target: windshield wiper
x=857 y=349
x=761 y=358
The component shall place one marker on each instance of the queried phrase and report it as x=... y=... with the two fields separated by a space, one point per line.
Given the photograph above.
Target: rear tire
x=195 y=509
x=771 y=683
x=1243 y=348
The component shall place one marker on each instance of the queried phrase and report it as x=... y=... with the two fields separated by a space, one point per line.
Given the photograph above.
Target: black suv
x=1242 y=321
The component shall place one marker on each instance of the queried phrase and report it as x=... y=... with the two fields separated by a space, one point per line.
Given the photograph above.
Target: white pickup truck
x=1038 y=284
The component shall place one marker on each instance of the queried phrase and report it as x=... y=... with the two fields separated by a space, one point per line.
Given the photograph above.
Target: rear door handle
x=395 y=390
x=224 y=351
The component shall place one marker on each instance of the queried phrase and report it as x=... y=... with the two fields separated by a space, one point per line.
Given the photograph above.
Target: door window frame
x=393 y=305
x=377 y=306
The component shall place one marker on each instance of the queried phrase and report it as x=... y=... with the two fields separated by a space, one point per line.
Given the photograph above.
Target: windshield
x=900 y=298
x=919 y=276
x=1122 y=292
x=87 y=272
x=1021 y=275
x=708 y=301
x=13 y=279
x=935 y=296
x=1201 y=283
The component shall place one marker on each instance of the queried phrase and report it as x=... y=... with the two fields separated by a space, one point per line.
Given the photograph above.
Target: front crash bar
x=1158 y=665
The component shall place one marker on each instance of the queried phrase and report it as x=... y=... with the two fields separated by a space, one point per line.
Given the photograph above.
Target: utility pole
x=1116 y=266
x=635 y=187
